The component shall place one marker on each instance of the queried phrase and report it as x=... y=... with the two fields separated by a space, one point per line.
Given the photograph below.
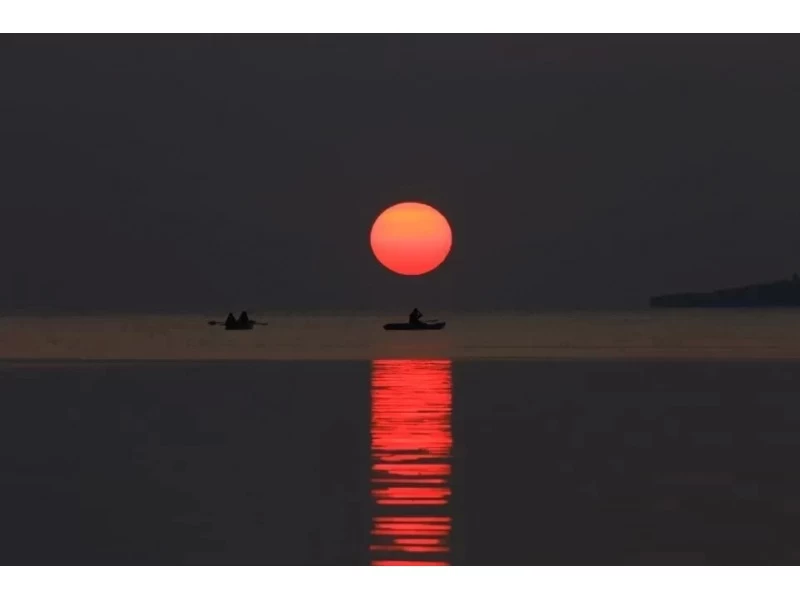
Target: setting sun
x=411 y=238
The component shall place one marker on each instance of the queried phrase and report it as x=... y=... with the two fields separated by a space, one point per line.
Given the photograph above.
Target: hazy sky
x=227 y=173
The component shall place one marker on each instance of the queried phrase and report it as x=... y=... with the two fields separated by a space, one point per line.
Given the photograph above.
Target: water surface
x=675 y=441
x=656 y=334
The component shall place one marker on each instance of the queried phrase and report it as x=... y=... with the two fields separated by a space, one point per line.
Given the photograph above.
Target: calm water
x=713 y=334
x=655 y=438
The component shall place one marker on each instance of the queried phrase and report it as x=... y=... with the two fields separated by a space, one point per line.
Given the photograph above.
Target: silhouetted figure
x=243 y=319
x=414 y=316
x=230 y=320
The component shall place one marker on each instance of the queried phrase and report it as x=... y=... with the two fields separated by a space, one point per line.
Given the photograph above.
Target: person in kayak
x=230 y=320
x=414 y=316
x=243 y=319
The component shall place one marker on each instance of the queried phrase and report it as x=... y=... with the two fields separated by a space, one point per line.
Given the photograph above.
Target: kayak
x=408 y=326
x=237 y=325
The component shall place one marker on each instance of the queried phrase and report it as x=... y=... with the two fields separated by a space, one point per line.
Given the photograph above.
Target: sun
x=411 y=238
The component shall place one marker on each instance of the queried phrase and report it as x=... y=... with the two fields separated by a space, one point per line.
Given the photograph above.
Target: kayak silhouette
x=415 y=322
x=248 y=326
x=422 y=325
x=243 y=323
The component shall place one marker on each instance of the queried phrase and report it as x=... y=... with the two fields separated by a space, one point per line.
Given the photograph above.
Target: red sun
x=411 y=238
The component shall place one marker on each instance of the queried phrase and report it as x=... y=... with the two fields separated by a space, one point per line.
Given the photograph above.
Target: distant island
x=780 y=293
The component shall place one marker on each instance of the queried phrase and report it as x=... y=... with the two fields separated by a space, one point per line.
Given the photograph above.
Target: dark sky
x=244 y=172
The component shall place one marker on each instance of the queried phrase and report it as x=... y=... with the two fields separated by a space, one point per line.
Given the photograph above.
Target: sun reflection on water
x=411 y=451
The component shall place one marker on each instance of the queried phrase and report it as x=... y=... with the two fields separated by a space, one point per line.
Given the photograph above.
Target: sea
x=658 y=437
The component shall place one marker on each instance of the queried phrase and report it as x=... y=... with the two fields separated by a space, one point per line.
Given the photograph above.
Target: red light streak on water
x=411 y=448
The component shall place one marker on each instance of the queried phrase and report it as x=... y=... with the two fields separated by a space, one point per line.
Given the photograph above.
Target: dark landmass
x=780 y=293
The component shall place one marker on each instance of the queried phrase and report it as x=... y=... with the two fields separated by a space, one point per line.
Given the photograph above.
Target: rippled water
x=572 y=438
x=411 y=450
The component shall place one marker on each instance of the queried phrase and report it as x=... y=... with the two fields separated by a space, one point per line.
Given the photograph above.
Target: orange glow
x=418 y=549
x=411 y=446
x=406 y=563
x=418 y=469
x=411 y=238
x=418 y=541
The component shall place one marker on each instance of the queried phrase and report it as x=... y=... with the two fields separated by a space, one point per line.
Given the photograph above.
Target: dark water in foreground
x=437 y=461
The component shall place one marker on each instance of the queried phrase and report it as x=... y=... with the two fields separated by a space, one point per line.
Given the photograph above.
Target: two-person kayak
x=240 y=326
x=242 y=323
